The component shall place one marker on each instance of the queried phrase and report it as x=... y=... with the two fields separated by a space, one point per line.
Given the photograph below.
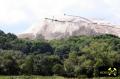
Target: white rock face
x=65 y=26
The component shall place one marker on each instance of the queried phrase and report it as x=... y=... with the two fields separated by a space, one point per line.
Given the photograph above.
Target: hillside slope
x=65 y=26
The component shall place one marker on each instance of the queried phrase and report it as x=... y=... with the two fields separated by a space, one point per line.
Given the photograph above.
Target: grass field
x=50 y=77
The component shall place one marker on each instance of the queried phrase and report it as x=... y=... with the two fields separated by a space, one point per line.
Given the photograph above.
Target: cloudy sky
x=16 y=16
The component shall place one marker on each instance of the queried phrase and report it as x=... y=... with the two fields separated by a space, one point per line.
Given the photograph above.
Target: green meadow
x=50 y=77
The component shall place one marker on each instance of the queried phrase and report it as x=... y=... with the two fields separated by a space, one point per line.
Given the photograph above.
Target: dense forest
x=70 y=57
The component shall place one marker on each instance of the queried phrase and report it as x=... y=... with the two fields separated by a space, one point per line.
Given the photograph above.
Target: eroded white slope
x=65 y=26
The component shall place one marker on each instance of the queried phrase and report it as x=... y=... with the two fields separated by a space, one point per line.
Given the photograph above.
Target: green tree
x=27 y=66
x=58 y=69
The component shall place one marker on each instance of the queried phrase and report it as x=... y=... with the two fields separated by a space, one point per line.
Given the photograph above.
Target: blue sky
x=17 y=16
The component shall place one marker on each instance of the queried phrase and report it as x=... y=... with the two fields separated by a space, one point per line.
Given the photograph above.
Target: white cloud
x=114 y=6
x=114 y=3
x=12 y=11
x=86 y=4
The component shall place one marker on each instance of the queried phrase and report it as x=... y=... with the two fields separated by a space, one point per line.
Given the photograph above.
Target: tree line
x=71 y=57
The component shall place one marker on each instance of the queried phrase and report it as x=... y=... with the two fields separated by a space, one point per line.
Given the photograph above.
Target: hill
x=66 y=26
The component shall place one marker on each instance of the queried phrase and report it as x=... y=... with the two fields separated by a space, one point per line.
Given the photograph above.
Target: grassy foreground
x=50 y=77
